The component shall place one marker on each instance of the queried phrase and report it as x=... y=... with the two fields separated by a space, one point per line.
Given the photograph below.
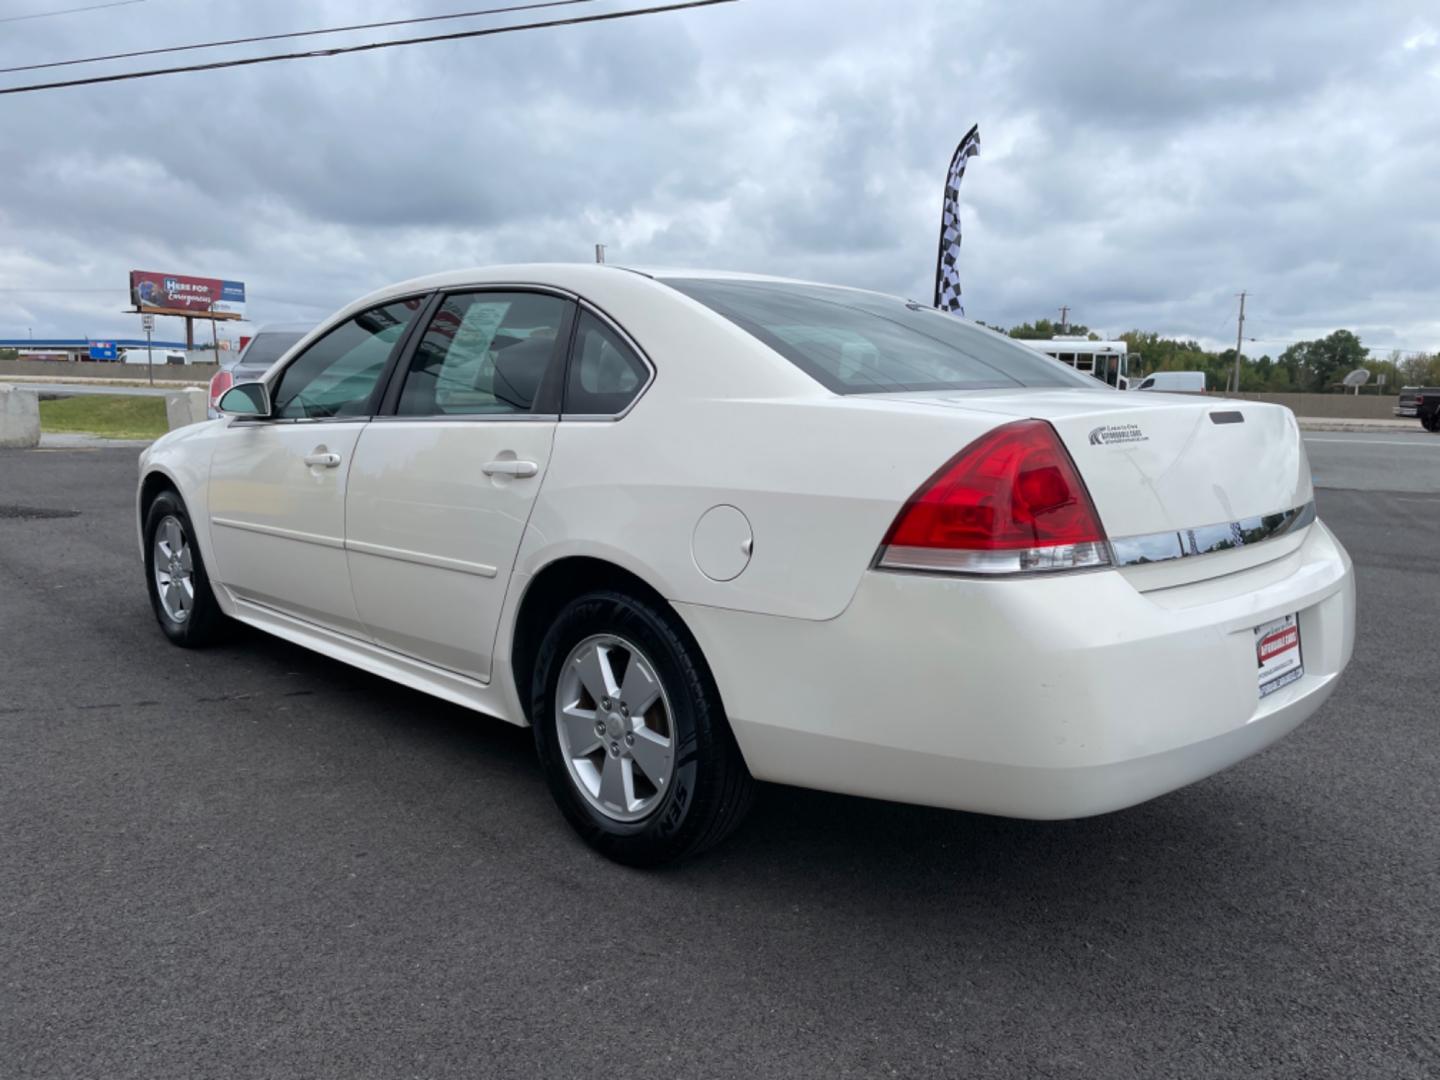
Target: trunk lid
x=1163 y=462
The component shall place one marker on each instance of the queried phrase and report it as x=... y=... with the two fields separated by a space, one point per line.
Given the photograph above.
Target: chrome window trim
x=1209 y=539
x=485 y=286
x=505 y=286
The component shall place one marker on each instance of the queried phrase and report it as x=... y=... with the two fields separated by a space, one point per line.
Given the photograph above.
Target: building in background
x=109 y=350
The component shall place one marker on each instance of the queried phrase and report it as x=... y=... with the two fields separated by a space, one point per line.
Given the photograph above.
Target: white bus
x=1106 y=360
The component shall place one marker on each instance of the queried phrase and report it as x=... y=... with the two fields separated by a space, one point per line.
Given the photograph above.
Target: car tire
x=179 y=587
x=606 y=764
x=1432 y=423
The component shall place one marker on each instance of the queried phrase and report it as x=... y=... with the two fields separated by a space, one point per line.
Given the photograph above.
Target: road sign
x=147 y=323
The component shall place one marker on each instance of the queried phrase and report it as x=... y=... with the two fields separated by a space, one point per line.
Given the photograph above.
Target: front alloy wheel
x=174 y=569
x=180 y=593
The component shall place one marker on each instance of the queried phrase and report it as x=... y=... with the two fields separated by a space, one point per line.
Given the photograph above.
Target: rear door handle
x=510 y=467
x=322 y=458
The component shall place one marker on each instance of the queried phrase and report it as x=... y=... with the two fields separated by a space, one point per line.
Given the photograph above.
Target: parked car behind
x=268 y=345
x=1421 y=402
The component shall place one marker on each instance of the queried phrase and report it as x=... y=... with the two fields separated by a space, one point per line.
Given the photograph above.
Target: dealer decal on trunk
x=1113 y=434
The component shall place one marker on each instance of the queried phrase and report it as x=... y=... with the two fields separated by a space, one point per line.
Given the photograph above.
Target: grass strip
x=110 y=416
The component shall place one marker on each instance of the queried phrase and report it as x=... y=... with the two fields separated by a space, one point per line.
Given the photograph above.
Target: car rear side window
x=485 y=354
x=854 y=342
x=605 y=374
x=336 y=376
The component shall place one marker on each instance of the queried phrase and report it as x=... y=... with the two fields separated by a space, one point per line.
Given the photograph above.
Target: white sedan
x=699 y=530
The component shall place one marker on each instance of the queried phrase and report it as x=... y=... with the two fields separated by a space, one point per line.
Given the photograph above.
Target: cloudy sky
x=1142 y=162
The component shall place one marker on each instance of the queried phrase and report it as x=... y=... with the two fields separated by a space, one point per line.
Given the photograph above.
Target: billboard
x=176 y=294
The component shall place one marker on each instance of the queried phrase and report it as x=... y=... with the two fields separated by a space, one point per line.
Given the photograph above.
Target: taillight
x=1010 y=502
x=221 y=381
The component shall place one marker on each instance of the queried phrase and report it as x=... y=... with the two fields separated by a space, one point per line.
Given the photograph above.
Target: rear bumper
x=1406 y=410
x=1039 y=698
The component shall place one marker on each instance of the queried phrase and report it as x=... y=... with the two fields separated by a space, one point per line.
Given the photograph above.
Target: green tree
x=1041 y=329
x=1419 y=370
x=1323 y=363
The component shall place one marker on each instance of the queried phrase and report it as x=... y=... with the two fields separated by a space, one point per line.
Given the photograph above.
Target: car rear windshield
x=854 y=342
x=264 y=349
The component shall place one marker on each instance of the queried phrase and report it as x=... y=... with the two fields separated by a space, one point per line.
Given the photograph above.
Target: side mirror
x=249 y=400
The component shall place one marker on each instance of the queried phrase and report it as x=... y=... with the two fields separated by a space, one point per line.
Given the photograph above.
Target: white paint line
x=1421 y=444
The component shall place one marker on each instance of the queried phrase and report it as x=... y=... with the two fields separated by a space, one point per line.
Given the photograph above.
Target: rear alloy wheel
x=179 y=588
x=615 y=728
x=629 y=727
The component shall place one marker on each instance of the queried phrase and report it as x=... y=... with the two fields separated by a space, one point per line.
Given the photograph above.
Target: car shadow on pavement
x=1170 y=855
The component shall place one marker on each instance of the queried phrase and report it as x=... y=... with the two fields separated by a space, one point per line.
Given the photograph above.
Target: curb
x=84 y=440
x=1371 y=427
x=75 y=380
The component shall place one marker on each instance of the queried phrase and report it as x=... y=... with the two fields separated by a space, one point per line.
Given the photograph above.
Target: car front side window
x=336 y=376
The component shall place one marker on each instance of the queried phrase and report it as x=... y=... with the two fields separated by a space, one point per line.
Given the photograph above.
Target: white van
x=1175 y=382
x=162 y=356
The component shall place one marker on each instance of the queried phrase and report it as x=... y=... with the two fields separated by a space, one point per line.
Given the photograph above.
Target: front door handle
x=322 y=458
x=510 y=467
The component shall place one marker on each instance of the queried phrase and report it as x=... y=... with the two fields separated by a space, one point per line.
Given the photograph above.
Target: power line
x=68 y=11
x=293 y=34
x=1306 y=341
x=367 y=47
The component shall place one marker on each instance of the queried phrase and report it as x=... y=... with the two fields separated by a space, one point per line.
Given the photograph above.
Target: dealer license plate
x=1277 y=652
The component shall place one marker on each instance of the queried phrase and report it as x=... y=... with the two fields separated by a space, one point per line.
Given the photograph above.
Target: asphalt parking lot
x=254 y=861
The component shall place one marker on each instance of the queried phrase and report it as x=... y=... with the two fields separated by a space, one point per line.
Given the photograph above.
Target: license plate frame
x=1279 y=655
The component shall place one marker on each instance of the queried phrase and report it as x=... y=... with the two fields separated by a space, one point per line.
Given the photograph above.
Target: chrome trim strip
x=1208 y=539
x=271 y=421
x=456 y=418
x=277 y=531
x=419 y=558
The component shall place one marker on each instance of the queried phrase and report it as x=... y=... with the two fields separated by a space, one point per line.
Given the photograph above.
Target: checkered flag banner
x=947 y=268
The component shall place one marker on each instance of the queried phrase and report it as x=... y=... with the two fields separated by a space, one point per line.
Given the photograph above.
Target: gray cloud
x=1142 y=162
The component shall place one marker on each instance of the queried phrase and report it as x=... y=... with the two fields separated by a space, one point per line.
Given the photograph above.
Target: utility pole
x=1239 y=335
x=1064 y=318
x=600 y=253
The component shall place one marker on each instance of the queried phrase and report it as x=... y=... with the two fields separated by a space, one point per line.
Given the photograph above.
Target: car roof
x=574 y=277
